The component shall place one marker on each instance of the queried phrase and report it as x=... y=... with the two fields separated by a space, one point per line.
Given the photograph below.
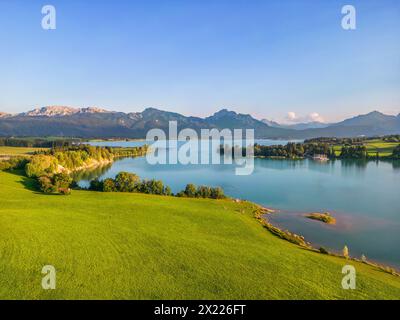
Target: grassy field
x=373 y=146
x=18 y=151
x=135 y=246
x=384 y=148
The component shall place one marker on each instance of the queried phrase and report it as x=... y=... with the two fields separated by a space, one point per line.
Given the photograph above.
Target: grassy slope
x=17 y=151
x=136 y=246
x=384 y=148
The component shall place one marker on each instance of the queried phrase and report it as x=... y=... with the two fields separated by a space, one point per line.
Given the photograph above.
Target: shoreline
x=301 y=241
x=260 y=213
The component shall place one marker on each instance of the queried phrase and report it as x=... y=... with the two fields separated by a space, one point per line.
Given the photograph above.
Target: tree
x=109 y=185
x=126 y=182
x=396 y=152
x=96 y=185
x=157 y=187
x=190 y=190
x=203 y=192
x=41 y=165
x=217 y=193
x=167 y=191
x=13 y=163
x=62 y=181
x=46 y=184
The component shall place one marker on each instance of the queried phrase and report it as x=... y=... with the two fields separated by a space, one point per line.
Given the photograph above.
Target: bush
x=96 y=185
x=190 y=190
x=167 y=191
x=62 y=181
x=151 y=187
x=109 y=185
x=41 y=165
x=46 y=184
x=130 y=182
x=126 y=182
x=181 y=194
x=13 y=163
x=323 y=250
x=203 y=192
x=59 y=183
x=396 y=152
x=217 y=193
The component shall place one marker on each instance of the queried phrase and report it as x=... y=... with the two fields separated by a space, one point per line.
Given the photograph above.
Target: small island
x=323 y=217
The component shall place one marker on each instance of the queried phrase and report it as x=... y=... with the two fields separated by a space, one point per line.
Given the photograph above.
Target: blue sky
x=266 y=58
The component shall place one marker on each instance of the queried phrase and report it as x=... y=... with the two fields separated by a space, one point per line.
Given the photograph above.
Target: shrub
x=130 y=182
x=46 y=184
x=203 y=192
x=59 y=183
x=181 y=194
x=396 y=152
x=190 y=190
x=13 y=163
x=167 y=191
x=62 y=181
x=323 y=250
x=41 y=165
x=217 y=193
x=109 y=185
x=96 y=185
x=126 y=182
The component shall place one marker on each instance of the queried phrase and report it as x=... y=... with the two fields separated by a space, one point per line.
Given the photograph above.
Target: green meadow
x=136 y=246
x=18 y=151
x=374 y=146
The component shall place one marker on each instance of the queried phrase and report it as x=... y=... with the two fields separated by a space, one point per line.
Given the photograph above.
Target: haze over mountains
x=99 y=123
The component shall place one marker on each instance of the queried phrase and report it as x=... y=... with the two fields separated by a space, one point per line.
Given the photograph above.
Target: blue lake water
x=363 y=196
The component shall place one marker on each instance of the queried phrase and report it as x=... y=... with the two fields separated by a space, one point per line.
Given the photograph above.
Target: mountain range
x=297 y=126
x=99 y=123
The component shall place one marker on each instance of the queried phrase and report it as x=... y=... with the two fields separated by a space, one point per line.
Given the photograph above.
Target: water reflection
x=91 y=174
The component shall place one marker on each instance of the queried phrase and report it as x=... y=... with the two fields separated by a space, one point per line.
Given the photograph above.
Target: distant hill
x=372 y=124
x=296 y=126
x=100 y=123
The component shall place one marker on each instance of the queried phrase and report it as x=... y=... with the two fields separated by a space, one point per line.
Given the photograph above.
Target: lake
x=363 y=196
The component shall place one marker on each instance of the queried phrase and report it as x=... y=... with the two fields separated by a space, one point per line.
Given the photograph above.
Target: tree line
x=51 y=168
x=130 y=182
x=396 y=152
x=354 y=140
x=310 y=149
x=78 y=156
x=288 y=151
x=44 y=167
x=37 y=142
